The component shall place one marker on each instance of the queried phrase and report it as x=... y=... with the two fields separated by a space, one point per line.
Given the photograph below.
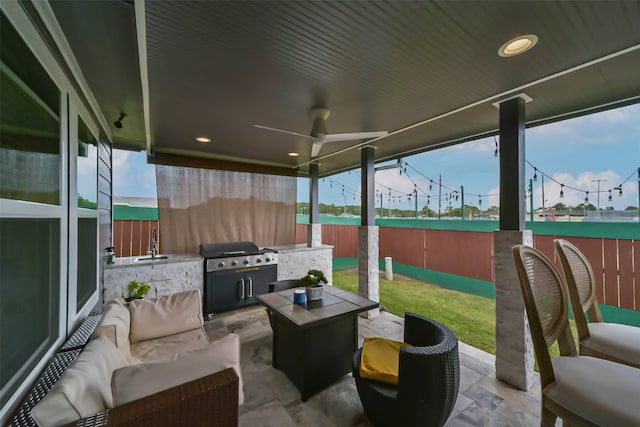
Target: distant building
x=136 y=202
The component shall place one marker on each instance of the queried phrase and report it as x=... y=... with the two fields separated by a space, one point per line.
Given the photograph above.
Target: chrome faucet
x=154 y=243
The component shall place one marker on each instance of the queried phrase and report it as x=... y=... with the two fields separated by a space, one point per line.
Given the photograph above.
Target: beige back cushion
x=144 y=379
x=165 y=315
x=84 y=388
x=114 y=324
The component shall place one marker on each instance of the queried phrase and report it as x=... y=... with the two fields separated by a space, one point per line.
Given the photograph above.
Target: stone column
x=314 y=235
x=514 y=347
x=368 y=239
x=368 y=268
x=314 y=229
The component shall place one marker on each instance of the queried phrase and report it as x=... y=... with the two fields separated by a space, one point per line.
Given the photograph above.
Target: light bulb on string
x=561 y=191
x=430 y=184
x=586 y=197
x=620 y=188
x=428 y=199
x=610 y=198
x=495 y=153
x=535 y=174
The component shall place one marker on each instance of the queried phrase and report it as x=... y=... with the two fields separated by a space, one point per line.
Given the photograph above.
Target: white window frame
x=69 y=103
x=75 y=314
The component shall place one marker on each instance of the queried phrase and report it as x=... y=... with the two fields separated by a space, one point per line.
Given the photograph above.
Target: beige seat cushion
x=604 y=392
x=622 y=342
x=165 y=315
x=168 y=346
x=84 y=388
x=136 y=381
x=114 y=324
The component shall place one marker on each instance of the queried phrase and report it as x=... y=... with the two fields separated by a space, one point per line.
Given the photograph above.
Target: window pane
x=87 y=167
x=87 y=263
x=29 y=296
x=29 y=124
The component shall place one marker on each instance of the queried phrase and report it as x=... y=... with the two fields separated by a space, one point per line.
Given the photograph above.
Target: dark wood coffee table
x=314 y=343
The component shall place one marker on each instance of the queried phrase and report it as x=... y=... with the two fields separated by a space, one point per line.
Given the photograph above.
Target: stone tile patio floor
x=272 y=400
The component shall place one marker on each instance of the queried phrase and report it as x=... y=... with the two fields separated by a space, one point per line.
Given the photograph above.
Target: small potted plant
x=136 y=290
x=313 y=282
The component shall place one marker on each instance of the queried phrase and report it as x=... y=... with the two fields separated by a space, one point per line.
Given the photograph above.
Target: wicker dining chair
x=428 y=378
x=612 y=341
x=581 y=390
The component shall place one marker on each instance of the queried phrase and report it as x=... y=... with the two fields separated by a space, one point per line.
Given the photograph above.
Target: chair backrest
x=545 y=301
x=428 y=371
x=581 y=284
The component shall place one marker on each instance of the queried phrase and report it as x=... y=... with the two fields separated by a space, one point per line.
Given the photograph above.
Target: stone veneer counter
x=165 y=276
x=295 y=260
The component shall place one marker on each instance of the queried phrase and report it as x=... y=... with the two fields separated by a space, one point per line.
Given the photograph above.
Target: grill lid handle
x=234 y=253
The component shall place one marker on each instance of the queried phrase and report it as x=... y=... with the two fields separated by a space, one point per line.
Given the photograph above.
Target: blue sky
x=603 y=146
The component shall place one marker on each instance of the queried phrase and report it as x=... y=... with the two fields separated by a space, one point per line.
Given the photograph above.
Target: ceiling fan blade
x=333 y=137
x=315 y=148
x=285 y=131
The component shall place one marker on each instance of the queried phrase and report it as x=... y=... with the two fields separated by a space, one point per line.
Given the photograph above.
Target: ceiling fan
x=319 y=134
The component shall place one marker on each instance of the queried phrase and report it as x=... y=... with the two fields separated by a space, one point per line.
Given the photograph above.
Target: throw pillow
x=166 y=315
x=380 y=359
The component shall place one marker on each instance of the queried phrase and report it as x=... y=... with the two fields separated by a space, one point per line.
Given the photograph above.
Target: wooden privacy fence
x=615 y=262
x=133 y=237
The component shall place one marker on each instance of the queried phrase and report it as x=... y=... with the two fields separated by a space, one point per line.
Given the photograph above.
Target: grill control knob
x=258 y=260
x=220 y=264
x=246 y=262
x=267 y=259
x=234 y=263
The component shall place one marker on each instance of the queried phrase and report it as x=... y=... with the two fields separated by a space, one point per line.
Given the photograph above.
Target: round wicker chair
x=428 y=378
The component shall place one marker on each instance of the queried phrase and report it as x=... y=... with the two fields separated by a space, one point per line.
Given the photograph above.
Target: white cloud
x=132 y=176
x=604 y=128
x=485 y=145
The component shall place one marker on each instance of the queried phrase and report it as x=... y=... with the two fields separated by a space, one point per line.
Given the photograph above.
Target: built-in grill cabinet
x=235 y=273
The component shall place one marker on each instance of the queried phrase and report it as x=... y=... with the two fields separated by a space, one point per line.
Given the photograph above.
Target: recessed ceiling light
x=293 y=154
x=518 y=45
x=203 y=139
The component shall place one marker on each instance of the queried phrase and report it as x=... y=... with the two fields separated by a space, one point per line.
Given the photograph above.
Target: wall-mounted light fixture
x=118 y=123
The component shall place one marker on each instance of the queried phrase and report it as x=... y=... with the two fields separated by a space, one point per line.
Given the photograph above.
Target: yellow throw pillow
x=380 y=359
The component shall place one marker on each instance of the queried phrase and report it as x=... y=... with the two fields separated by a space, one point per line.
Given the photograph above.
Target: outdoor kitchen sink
x=150 y=258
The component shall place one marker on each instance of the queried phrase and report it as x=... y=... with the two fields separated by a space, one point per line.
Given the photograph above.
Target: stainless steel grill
x=234 y=273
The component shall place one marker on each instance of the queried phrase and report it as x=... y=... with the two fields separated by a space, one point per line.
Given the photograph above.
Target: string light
x=454 y=194
x=495 y=153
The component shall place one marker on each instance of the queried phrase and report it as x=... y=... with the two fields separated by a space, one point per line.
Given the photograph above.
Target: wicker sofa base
x=207 y=401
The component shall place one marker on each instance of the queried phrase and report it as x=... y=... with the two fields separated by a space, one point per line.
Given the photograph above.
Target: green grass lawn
x=471 y=317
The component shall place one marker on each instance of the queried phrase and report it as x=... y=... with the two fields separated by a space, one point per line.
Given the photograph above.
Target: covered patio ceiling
x=429 y=73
